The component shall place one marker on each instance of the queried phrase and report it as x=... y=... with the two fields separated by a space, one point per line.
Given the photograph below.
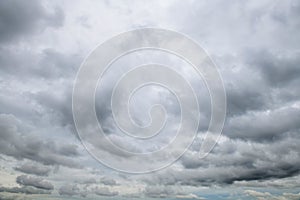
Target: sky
x=255 y=46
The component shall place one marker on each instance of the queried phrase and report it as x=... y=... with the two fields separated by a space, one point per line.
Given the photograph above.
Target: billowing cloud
x=255 y=46
x=104 y=191
x=15 y=143
x=69 y=190
x=24 y=189
x=268 y=124
x=31 y=17
x=159 y=191
x=268 y=196
x=34 y=168
x=108 y=181
x=35 y=182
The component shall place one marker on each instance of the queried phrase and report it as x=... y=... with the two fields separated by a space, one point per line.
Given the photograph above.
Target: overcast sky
x=256 y=47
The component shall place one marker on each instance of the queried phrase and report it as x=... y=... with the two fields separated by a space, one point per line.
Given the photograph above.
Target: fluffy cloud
x=278 y=69
x=34 y=168
x=104 y=191
x=267 y=196
x=32 y=17
x=24 y=190
x=69 y=190
x=265 y=125
x=85 y=189
x=254 y=44
x=35 y=182
x=159 y=191
x=233 y=161
x=108 y=181
x=19 y=145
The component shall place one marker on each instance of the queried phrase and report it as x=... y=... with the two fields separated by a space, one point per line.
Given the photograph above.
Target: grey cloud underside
x=161 y=191
x=34 y=168
x=31 y=17
x=237 y=160
x=23 y=190
x=256 y=47
x=267 y=195
x=104 y=191
x=19 y=108
x=108 y=181
x=35 y=182
x=21 y=145
x=78 y=190
x=69 y=190
x=278 y=69
x=47 y=64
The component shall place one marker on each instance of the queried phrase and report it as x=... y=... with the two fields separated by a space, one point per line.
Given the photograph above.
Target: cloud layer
x=255 y=46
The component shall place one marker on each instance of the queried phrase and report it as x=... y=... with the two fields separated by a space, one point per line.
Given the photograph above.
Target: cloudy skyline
x=255 y=46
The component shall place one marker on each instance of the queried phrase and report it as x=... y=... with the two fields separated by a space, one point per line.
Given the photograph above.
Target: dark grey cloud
x=108 y=181
x=88 y=181
x=159 y=191
x=35 y=182
x=269 y=196
x=262 y=94
x=69 y=150
x=34 y=168
x=245 y=96
x=46 y=64
x=237 y=160
x=167 y=191
x=58 y=105
x=9 y=197
x=84 y=190
x=69 y=190
x=265 y=125
x=279 y=69
x=255 y=45
x=19 y=145
x=20 y=18
x=104 y=191
x=52 y=99
x=24 y=190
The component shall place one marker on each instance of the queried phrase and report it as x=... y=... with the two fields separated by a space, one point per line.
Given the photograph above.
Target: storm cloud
x=20 y=146
x=34 y=168
x=255 y=46
x=35 y=182
x=31 y=17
